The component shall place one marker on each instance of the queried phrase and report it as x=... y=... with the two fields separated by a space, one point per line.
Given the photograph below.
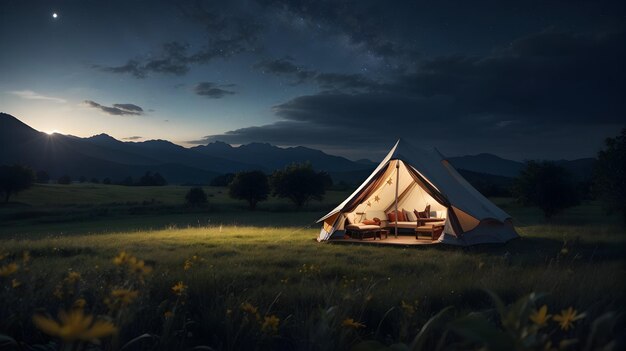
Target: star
x=376 y=198
x=389 y=181
x=369 y=204
x=55 y=15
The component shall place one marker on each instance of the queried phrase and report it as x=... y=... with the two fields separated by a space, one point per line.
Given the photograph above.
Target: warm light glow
x=50 y=132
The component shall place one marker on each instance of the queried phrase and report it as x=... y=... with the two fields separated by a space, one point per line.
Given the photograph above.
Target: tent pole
x=397 y=185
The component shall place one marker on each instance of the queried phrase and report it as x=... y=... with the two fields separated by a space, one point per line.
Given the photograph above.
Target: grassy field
x=258 y=280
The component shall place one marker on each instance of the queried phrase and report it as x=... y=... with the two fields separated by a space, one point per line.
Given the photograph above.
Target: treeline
x=148 y=179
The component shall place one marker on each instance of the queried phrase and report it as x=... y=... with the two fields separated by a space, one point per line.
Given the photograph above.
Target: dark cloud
x=135 y=137
x=213 y=90
x=231 y=29
x=286 y=67
x=533 y=90
x=116 y=109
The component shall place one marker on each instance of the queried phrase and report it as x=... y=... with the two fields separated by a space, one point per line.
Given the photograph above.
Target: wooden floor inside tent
x=391 y=240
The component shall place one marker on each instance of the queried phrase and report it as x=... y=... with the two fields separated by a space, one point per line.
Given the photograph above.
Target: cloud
x=117 y=109
x=135 y=137
x=537 y=92
x=213 y=90
x=31 y=95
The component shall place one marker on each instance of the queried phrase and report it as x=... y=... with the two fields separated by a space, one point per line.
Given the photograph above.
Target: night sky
x=520 y=79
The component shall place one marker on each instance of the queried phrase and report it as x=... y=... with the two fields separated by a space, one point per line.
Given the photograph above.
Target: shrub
x=66 y=179
x=547 y=186
x=196 y=197
x=251 y=186
x=14 y=179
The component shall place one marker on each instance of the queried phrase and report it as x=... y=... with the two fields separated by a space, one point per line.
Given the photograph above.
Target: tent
x=411 y=178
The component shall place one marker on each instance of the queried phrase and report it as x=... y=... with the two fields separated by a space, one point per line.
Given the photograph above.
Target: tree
x=196 y=197
x=222 y=179
x=547 y=186
x=610 y=174
x=251 y=186
x=149 y=179
x=14 y=179
x=66 y=179
x=95 y=180
x=299 y=183
x=42 y=177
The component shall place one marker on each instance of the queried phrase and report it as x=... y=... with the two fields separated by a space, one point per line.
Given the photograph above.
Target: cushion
x=421 y=214
x=391 y=216
x=410 y=216
x=405 y=214
x=401 y=217
x=427 y=211
x=374 y=221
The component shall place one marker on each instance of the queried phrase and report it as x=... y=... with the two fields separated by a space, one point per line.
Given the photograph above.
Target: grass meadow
x=166 y=276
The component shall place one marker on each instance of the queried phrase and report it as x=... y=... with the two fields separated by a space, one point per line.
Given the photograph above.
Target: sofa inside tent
x=413 y=192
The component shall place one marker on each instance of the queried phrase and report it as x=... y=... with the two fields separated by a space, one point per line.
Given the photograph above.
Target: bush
x=251 y=186
x=196 y=197
x=149 y=179
x=299 y=183
x=546 y=185
x=66 y=179
x=14 y=179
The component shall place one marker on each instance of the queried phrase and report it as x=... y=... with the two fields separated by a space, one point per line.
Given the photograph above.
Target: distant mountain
x=269 y=157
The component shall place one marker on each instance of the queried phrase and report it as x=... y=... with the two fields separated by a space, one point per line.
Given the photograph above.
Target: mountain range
x=104 y=156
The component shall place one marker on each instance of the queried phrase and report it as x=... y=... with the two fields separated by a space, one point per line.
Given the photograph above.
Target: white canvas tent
x=411 y=178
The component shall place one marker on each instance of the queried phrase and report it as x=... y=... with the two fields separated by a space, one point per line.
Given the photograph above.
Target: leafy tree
x=149 y=179
x=547 y=186
x=196 y=197
x=66 y=179
x=42 y=177
x=252 y=186
x=299 y=183
x=222 y=180
x=14 y=179
x=610 y=174
x=106 y=180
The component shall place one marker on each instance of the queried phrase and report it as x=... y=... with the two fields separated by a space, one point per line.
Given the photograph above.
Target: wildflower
x=26 y=257
x=138 y=266
x=188 y=265
x=407 y=308
x=9 y=269
x=121 y=258
x=15 y=283
x=567 y=318
x=179 y=288
x=72 y=277
x=168 y=314
x=270 y=324
x=249 y=308
x=351 y=323
x=120 y=298
x=58 y=292
x=74 y=325
x=540 y=317
x=564 y=251
x=80 y=304
x=284 y=281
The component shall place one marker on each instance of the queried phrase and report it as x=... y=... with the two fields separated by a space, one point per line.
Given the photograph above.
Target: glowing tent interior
x=406 y=181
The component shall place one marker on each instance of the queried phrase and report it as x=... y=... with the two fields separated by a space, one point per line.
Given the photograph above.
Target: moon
x=55 y=15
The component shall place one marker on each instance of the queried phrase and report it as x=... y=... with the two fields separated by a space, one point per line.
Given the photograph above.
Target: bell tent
x=411 y=178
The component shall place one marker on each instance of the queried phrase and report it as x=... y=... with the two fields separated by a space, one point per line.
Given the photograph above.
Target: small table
x=380 y=233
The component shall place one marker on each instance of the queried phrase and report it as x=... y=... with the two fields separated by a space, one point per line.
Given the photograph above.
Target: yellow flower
x=9 y=269
x=351 y=323
x=249 y=308
x=168 y=314
x=72 y=277
x=138 y=266
x=26 y=256
x=80 y=304
x=270 y=324
x=121 y=258
x=179 y=288
x=74 y=325
x=188 y=265
x=15 y=283
x=567 y=318
x=540 y=317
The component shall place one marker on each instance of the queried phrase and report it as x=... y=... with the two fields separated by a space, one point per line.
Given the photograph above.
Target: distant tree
x=196 y=197
x=82 y=179
x=42 y=177
x=547 y=186
x=14 y=179
x=222 y=180
x=610 y=174
x=158 y=180
x=299 y=183
x=66 y=179
x=106 y=181
x=128 y=181
x=252 y=186
x=95 y=180
x=149 y=179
